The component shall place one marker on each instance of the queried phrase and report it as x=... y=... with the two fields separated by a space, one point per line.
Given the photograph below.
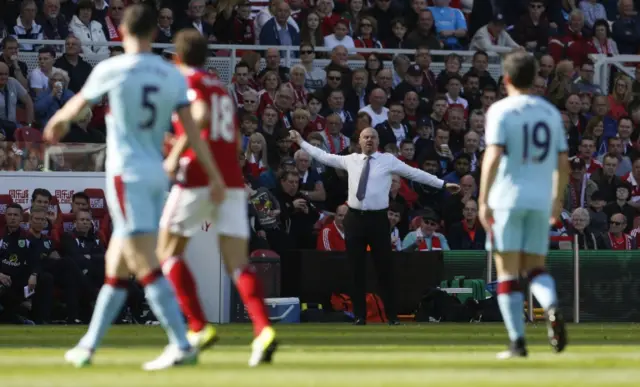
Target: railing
x=35 y=157
x=227 y=56
x=602 y=70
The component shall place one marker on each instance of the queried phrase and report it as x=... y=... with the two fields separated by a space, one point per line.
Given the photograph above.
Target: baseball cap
x=597 y=195
x=498 y=18
x=430 y=215
x=424 y=121
x=414 y=70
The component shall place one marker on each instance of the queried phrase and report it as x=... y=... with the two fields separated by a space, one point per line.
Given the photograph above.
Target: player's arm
x=490 y=164
x=96 y=86
x=199 y=147
x=325 y=158
x=496 y=138
x=58 y=126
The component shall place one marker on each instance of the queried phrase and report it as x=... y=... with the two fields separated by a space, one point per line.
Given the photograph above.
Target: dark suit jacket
x=459 y=239
x=269 y=35
x=386 y=135
x=54 y=29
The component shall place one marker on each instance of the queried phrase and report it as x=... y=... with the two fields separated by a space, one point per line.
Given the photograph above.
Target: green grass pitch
x=332 y=355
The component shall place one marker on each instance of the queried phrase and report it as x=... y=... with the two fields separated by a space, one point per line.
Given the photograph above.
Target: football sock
x=111 y=298
x=511 y=303
x=251 y=292
x=163 y=304
x=178 y=273
x=543 y=287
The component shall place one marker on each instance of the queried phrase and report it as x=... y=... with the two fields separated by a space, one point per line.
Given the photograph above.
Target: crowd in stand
x=430 y=121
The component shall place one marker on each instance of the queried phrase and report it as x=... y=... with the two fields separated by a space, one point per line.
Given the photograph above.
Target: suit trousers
x=370 y=228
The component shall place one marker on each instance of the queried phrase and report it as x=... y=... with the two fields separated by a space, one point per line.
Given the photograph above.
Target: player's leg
x=541 y=283
x=507 y=245
x=182 y=217
x=111 y=298
x=233 y=230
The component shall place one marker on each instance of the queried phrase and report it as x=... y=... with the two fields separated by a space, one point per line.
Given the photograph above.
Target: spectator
x=297 y=216
x=82 y=132
x=311 y=186
x=573 y=45
x=266 y=14
x=301 y=121
x=340 y=37
x=600 y=107
x=316 y=121
x=606 y=178
x=452 y=65
x=540 y=88
x=365 y=37
x=283 y=104
x=425 y=35
x=408 y=153
x=584 y=83
x=456 y=125
x=279 y=31
x=71 y=62
x=315 y=78
x=271 y=83
x=532 y=30
x=593 y=11
x=560 y=86
x=165 y=31
x=599 y=219
x=425 y=238
x=587 y=149
x=55 y=25
x=240 y=84
x=331 y=237
x=618 y=239
x=334 y=140
x=11 y=91
x=79 y=202
x=625 y=132
x=626 y=30
x=357 y=94
x=633 y=178
x=47 y=103
x=335 y=105
x=414 y=115
x=602 y=38
x=493 y=37
x=39 y=77
x=412 y=82
x=88 y=30
x=26 y=27
x=579 y=189
x=296 y=85
x=339 y=63
x=17 y=68
x=471 y=149
x=376 y=108
x=587 y=239
x=86 y=249
x=112 y=21
x=622 y=204
x=617 y=150
x=468 y=234
x=19 y=268
x=310 y=31
x=620 y=97
x=392 y=130
x=547 y=66
x=243 y=26
x=401 y=64
x=383 y=13
x=395 y=216
x=251 y=101
x=450 y=24
x=195 y=19
x=399 y=37
x=272 y=63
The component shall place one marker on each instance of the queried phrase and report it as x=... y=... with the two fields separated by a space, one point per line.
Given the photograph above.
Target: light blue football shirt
x=143 y=91
x=531 y=131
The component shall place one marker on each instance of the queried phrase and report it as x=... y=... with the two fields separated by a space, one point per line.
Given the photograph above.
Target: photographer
x=19 y=267
x=65 y=272
x=82 y=245
x=297 y=213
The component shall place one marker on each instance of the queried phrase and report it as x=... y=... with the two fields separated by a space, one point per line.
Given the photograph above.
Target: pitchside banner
x=203 y=254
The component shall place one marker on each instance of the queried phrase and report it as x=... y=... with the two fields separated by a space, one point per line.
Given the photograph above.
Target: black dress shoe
x=360 y=321
x=394 y=322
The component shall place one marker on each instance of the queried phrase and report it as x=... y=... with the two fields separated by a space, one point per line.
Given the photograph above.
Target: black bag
x=440 y=306
x=485 y=310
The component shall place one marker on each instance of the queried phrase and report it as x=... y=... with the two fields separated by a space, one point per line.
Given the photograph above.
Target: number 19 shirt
x=531 y=132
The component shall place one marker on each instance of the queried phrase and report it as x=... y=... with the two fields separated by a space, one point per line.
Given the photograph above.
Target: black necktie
x=364 y=177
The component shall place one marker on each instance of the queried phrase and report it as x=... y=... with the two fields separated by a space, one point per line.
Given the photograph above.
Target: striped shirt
x=20 y=32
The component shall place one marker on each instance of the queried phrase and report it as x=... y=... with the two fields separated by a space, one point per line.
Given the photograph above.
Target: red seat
x=64 y=225
x=27 y=134
x=54 y=206
x=99 y=211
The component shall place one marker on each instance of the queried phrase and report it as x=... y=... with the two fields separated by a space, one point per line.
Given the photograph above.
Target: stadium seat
x=54 y=206
x=26 y=135
x=264 y=253
x=65 y=224
x=99 y=211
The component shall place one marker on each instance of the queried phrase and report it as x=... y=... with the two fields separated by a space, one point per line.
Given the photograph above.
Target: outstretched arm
x=400 y=168
x=325 y=158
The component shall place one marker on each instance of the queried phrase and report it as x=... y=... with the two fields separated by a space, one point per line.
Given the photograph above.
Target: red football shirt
x=221 y=133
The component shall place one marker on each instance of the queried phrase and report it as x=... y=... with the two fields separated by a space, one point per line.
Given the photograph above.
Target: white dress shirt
x=382 y=166
x=376 y=118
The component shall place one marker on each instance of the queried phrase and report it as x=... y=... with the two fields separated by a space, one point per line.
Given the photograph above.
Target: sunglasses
x=536 y=6
x=430 y=223
x=335 y=78
x=307 y=52
x=615 y=223
x=117 y=8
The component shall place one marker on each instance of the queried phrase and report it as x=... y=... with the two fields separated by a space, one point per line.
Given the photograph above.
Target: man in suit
x=278 y=31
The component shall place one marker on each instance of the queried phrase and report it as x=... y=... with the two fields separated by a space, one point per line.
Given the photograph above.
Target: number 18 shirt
x=531 y=132
x=221 y=134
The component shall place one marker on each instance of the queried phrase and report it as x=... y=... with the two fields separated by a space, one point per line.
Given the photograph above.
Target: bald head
x=369 y=141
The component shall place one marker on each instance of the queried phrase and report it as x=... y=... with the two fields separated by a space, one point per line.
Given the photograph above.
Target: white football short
x=187 y=210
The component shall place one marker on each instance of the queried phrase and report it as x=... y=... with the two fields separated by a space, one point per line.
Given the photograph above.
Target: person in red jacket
x=572 y=45
x=331 y=237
